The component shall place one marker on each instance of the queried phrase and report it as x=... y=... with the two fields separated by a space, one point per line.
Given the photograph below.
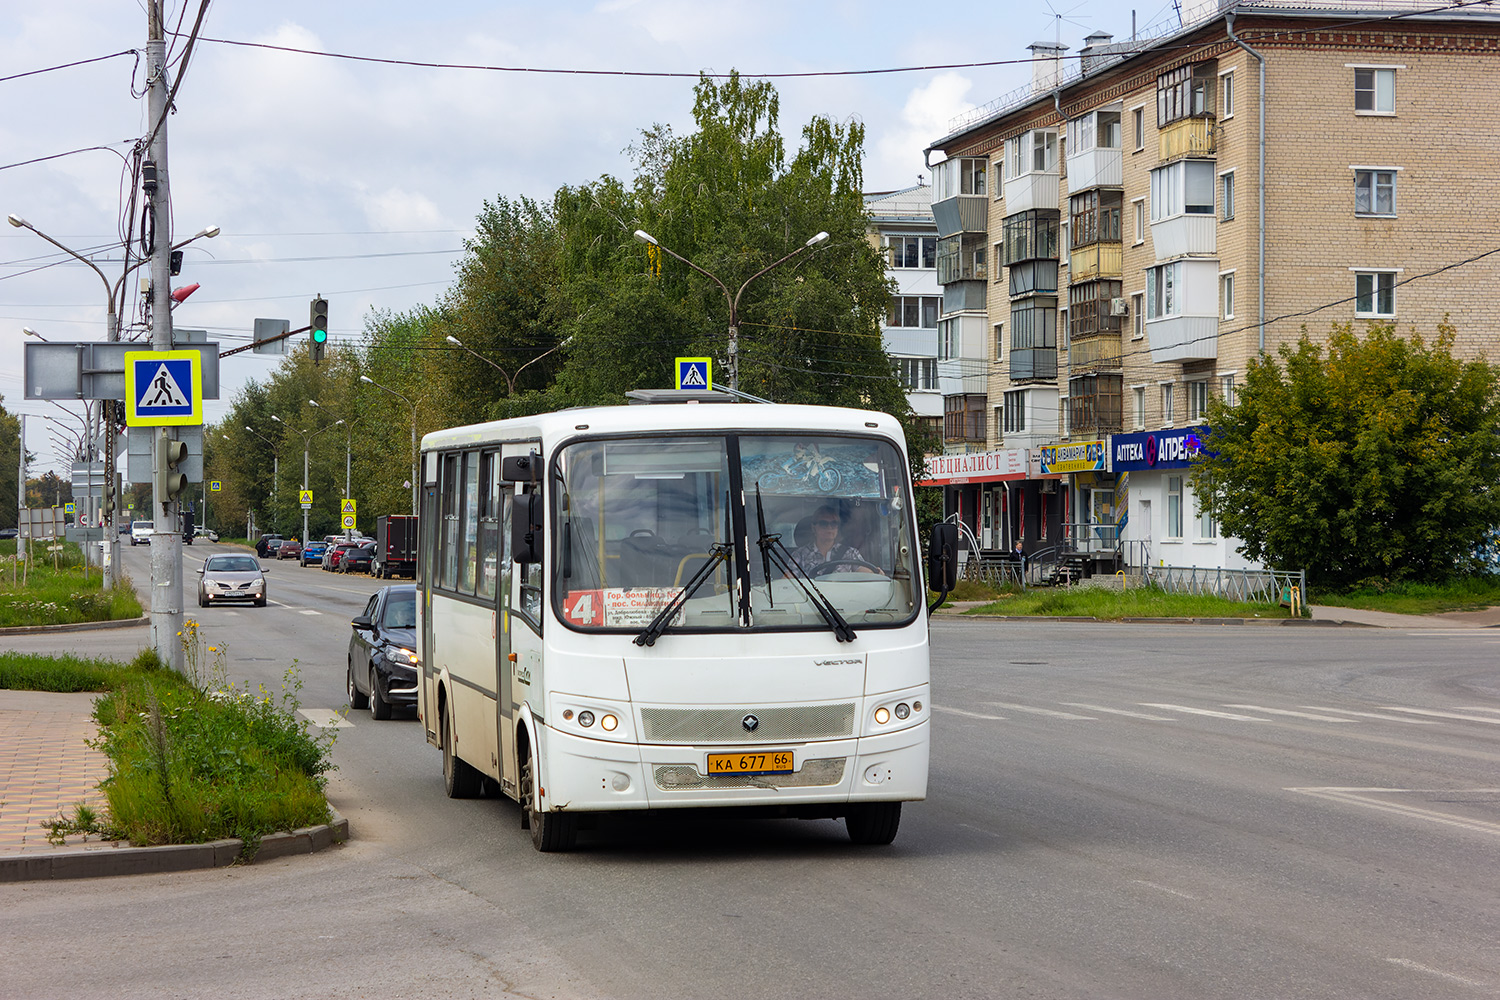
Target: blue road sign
x=163 y=388
x=695 y=373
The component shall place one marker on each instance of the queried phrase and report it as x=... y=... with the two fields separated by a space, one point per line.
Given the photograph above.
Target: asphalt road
x=1115 y=811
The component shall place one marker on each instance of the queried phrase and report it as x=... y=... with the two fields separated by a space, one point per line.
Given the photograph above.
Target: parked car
x=207 y=533
x=383 y=658
x=231 y=578
x=289 y=549
x=333 y=555
x=312 y=552
x=268 y=545
x=140 y=532
x=357 y=559
x=7 y=533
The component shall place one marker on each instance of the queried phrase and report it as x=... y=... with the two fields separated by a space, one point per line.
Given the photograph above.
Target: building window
x=1162 y=284
x=1091 y=308
x=1093 y=404
x=1226 y=389
x=920 y=311
x=1182 y=188
x=1063 y=427
x=1374 y=191
x=1226 y=196
x=1185 y=92
x=961 y=257
x=963 y=418
x=1015 y=412
x=1208 y=526
x=1095 y=217
x=1375 y=91
x=1031 y=236
x=999 y=341
x=1374 y=294
x=918 y=373
x=1197 y=394
x=911 y=251
x=1138 y=116
x=1166 y=404
x=999 y=256
x=948 y=339
x=1226 y=295
x=1139 y=392
x=1063 y=246
x=1226 y=94
x=1140 y=220
x=1031 y=152
x=1138 y=315
x=1033 y=323
x=1174 y=506
x=1096 y=130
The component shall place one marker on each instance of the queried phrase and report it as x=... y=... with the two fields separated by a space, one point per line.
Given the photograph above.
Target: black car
x=357 y=560
x=383 y=652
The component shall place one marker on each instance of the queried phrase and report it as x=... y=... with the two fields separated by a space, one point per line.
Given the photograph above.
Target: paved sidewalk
x=45 y=767
x=1488 y=618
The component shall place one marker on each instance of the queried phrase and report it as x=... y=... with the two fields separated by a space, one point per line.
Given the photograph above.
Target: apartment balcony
x=1183 y=338
x=1192 y=234
x=1095 y=168
x=963 y=213
x=1101 y=353
x=1098 y=260
x=1188 y=137
x=1033 y=364
x=1039 y=189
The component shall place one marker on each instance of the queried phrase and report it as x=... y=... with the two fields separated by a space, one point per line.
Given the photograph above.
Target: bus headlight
x=608 y=723
x=882 y=715
x=585 y=718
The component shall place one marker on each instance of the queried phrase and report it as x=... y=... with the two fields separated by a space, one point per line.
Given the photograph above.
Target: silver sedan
x=231 y=578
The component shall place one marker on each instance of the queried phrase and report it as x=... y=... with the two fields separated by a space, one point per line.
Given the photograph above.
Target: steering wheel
x=837 y=566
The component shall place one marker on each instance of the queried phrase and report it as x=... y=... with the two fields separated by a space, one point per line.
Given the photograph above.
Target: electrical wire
x=80 y=62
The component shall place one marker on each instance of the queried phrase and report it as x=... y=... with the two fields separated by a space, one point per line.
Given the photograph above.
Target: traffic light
x=111 y=497
x=318 y=324
x=169 y=455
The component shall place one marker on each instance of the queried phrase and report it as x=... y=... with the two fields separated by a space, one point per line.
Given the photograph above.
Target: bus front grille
x=686 y=777
x=719 y=725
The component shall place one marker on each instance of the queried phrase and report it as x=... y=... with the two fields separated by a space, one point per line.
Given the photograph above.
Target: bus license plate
x=770 y=762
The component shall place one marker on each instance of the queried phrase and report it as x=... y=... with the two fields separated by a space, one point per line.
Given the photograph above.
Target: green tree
x=10 y=462
x=1377 y=460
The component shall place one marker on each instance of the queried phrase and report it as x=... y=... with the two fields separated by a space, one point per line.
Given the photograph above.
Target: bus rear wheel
x=873 y=823
x=460 y=780
x=550 y=831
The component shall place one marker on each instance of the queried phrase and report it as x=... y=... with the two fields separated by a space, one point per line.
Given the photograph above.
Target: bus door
x=523 y=626
x=427 y=526
x=505 y=705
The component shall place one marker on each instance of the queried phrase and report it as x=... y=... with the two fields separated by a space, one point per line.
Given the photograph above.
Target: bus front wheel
x=460 y=780
x=873 y=823
x=550 y=831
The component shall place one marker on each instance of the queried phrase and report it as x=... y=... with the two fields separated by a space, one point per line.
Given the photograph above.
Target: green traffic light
x=319 y=336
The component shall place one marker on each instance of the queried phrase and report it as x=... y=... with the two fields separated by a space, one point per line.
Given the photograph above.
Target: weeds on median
x=57 y=589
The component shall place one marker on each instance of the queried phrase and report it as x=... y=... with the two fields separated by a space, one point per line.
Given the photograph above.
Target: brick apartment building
x=1116 y=241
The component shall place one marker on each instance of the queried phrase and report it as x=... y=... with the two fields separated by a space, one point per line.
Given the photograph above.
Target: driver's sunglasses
x=827 y=524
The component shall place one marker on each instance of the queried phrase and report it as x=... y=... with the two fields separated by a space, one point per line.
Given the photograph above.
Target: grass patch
x=1466 y=594
x=57 y=589
x=1109 y=605
x=192 y=758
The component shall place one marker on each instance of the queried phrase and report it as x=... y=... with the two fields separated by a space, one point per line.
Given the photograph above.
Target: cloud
x=924 y=118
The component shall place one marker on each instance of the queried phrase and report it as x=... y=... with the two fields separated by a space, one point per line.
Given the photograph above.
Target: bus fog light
x=585 y=719
x=567 y=714
x=916 y=706
x=608 y=723
x=620 y=782
x=882 y=715
x=902 y=711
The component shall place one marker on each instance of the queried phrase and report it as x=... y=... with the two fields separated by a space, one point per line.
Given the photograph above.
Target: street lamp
x=275 y=465
x=348 y=452
x=393 y=392
x=32 y=333
x=733 y=300
x=307 y=437
x=510 y=380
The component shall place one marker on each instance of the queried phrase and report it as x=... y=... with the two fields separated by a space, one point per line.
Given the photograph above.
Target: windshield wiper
x=772 y=551
x=718 y=553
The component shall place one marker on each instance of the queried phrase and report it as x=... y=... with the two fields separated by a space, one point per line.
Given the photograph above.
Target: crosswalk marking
x=1043 y=711
x=1200 y=711
x=1120 y=711
x=325 y=718
x=308 y=611
x=1287 y=711
x=967 y=715
x=1374 y=715
x=1439 y=715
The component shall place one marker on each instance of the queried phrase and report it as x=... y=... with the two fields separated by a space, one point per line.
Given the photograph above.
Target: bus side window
x=489 y=525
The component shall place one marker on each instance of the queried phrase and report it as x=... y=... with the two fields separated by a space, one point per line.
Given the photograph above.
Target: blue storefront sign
x=1173 y=448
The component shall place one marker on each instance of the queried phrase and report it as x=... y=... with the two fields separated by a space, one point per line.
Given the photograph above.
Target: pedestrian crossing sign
x=305 y=496
x=695 y=373
x=348 y=507
x=163 y=388
x=215 y=486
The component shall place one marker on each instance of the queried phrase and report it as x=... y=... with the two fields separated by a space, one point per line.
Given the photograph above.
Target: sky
x=360 y=181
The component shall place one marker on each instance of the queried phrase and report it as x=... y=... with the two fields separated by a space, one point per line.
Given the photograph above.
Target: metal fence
x=1258 y=586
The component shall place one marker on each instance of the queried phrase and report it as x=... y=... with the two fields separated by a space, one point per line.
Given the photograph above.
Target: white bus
x=676 y=606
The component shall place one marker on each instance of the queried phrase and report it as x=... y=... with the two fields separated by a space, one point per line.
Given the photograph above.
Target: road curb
x=74 y=626
x=104 y=860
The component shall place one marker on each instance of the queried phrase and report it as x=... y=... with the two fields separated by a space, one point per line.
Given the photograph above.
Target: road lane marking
x=1374 y=715
x=308 y=611
x=1119 y=711
x=1200 y=711
x=968 y=715
x=325 y=718
x=1407 y=963
x=1477 y=708
x=1287 y=711
x=1353 y=796
x=1161 y=888
x=1440 y=715
x=1050 y=713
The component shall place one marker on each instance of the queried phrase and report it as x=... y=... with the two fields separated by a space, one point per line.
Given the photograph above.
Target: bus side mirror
x=521 y=468
x=942 y=558
x=526 y=528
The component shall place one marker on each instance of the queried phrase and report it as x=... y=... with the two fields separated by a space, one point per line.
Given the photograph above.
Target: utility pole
x=166 y=539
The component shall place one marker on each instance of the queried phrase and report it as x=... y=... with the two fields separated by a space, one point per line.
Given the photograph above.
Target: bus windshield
x=640 y=519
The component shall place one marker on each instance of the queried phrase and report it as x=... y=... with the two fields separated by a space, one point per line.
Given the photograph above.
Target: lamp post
x=275 y=465
x=510 y=380
x=348 y=455
x=307 y=437
x=32 y=333
x=160 y=625
x=393 y=392
x=733 y=300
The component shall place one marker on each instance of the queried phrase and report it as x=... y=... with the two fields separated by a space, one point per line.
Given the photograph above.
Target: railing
x=1189 y=137
x=1101 y=260
x=1257 y=586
